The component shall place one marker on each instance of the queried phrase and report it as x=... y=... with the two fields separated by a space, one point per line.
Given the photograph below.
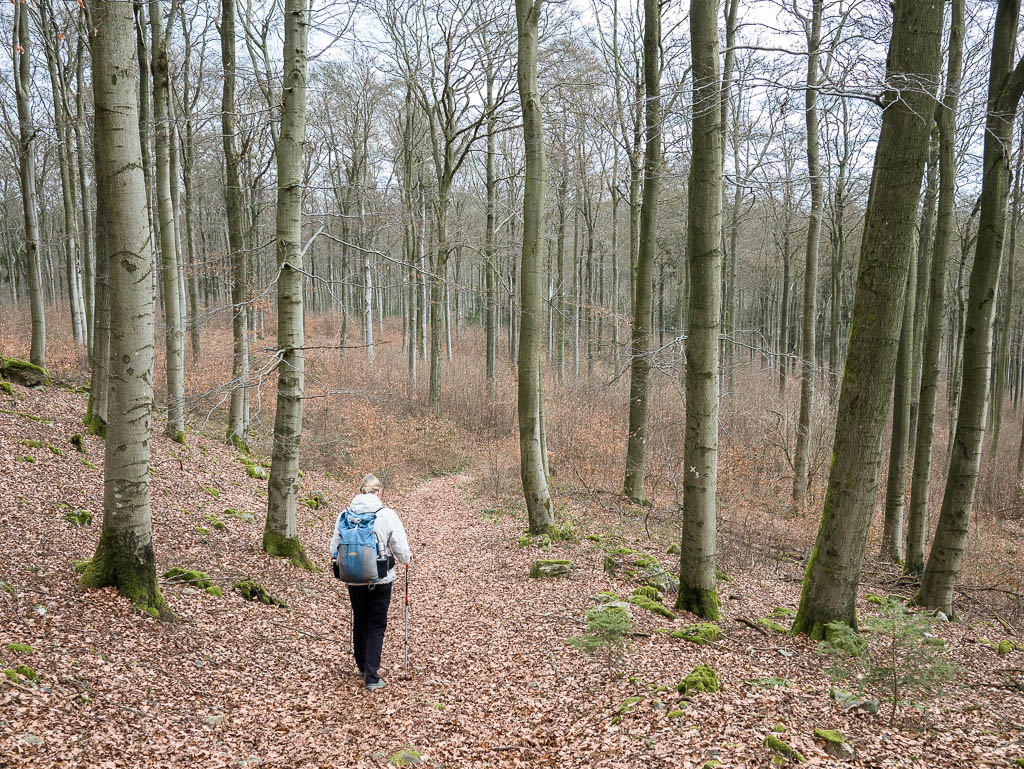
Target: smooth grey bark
x=640 y=363
x=833 y=571
x=238 y=427
x=531 y=450
x=812 y=31
x=99 y=385
x=697 y=580
x=124 y=556
x=892 y=525
x=1002 y=353
x=280 y=533
x=173 y=336
x=1005 y=88
x=22 y=74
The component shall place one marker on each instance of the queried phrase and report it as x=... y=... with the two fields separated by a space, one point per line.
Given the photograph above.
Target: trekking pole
x=407 y=620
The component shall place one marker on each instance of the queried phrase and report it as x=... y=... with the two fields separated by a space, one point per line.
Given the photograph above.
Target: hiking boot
x=374 y=686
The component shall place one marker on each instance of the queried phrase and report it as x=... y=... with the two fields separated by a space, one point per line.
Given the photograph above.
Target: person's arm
x=397 y=540
x=336 y=538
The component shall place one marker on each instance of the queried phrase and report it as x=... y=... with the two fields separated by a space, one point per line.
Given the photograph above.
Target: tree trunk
x=1003 y=339
x=531 y=450
x=803 y=431
x=640 y=364
x=490 y=267
x=124 y=556
x=174 y=339
x=697 y=590
x=22 y=72
x=943 y=567
x=99 y=386
x=892 y=527
x=833 y=572
x=237 y=423
x=280 y=534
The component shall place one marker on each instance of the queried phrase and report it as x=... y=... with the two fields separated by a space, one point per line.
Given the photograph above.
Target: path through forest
x=493 y=681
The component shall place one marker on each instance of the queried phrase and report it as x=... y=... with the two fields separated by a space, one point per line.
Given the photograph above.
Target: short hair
x=371 y=484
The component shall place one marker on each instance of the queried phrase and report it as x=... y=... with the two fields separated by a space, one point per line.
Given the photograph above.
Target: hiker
x=375 y=539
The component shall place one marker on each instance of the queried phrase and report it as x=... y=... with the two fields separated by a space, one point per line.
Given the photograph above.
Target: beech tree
x=640 y=363
x=280 y=534
x=917 y=517
x=697 y=588
x=531 y=398
x=124 y=556
x=1006 y=85
x=833 y=571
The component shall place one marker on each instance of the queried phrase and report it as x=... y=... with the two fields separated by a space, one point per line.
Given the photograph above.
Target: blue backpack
x=359 y=559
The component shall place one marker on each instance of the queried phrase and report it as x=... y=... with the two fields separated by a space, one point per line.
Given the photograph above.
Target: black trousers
x=369 y=621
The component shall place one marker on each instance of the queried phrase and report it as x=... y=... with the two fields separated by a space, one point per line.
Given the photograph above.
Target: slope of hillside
x=492 y=680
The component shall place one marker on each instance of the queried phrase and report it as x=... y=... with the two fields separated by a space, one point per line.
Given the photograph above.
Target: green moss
x=90 y=465
x=192 y=577
x=782 y=612
x=251 y=590
x=19 y=648
x=240 y=515
x=81 y=565
x=774 y=743
x=407 y=756
x=26 y=672
x=24 y=372
x=6 y=389
x=877 y=600
x=53 y=449
x=829 y=735
x=702 y=679
x=1018 y=762
x=673 y=549
x=11 y=675
x=257 y=472
x=212 y=491
x=32 y=444
x=215 y=591
x=721 y=576
x=1005 y=647
x=202 y=530
x=779 y=729
x=29 y=458
x=123 y=561
x=279 y=546
x=702 y=633
x=652 y=606
x=593 y=538
x=649 y=591
x=703 y=603
x=79 y=518
x=550 y=567
x=773 y=626
x=316 y=500
x=78 y=441
x=676 y=713
x=627 y=705
x=215 y=522
x=524 y=541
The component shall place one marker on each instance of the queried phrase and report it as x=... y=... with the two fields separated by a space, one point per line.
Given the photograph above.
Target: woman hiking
x=366 y=564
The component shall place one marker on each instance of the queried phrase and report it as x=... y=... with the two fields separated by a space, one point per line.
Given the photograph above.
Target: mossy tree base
x=120 y=562
x=178 y=436
x=94 y=423
x=239 y=443
x=703 y=603
x=279 y=546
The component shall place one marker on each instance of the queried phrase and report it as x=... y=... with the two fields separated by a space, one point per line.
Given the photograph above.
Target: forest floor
x=492 y=679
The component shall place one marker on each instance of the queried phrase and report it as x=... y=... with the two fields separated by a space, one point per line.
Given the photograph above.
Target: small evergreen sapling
x=608 y=628
x=899 y=661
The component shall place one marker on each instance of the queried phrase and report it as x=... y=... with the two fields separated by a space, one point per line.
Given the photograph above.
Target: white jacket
x=387 y=529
